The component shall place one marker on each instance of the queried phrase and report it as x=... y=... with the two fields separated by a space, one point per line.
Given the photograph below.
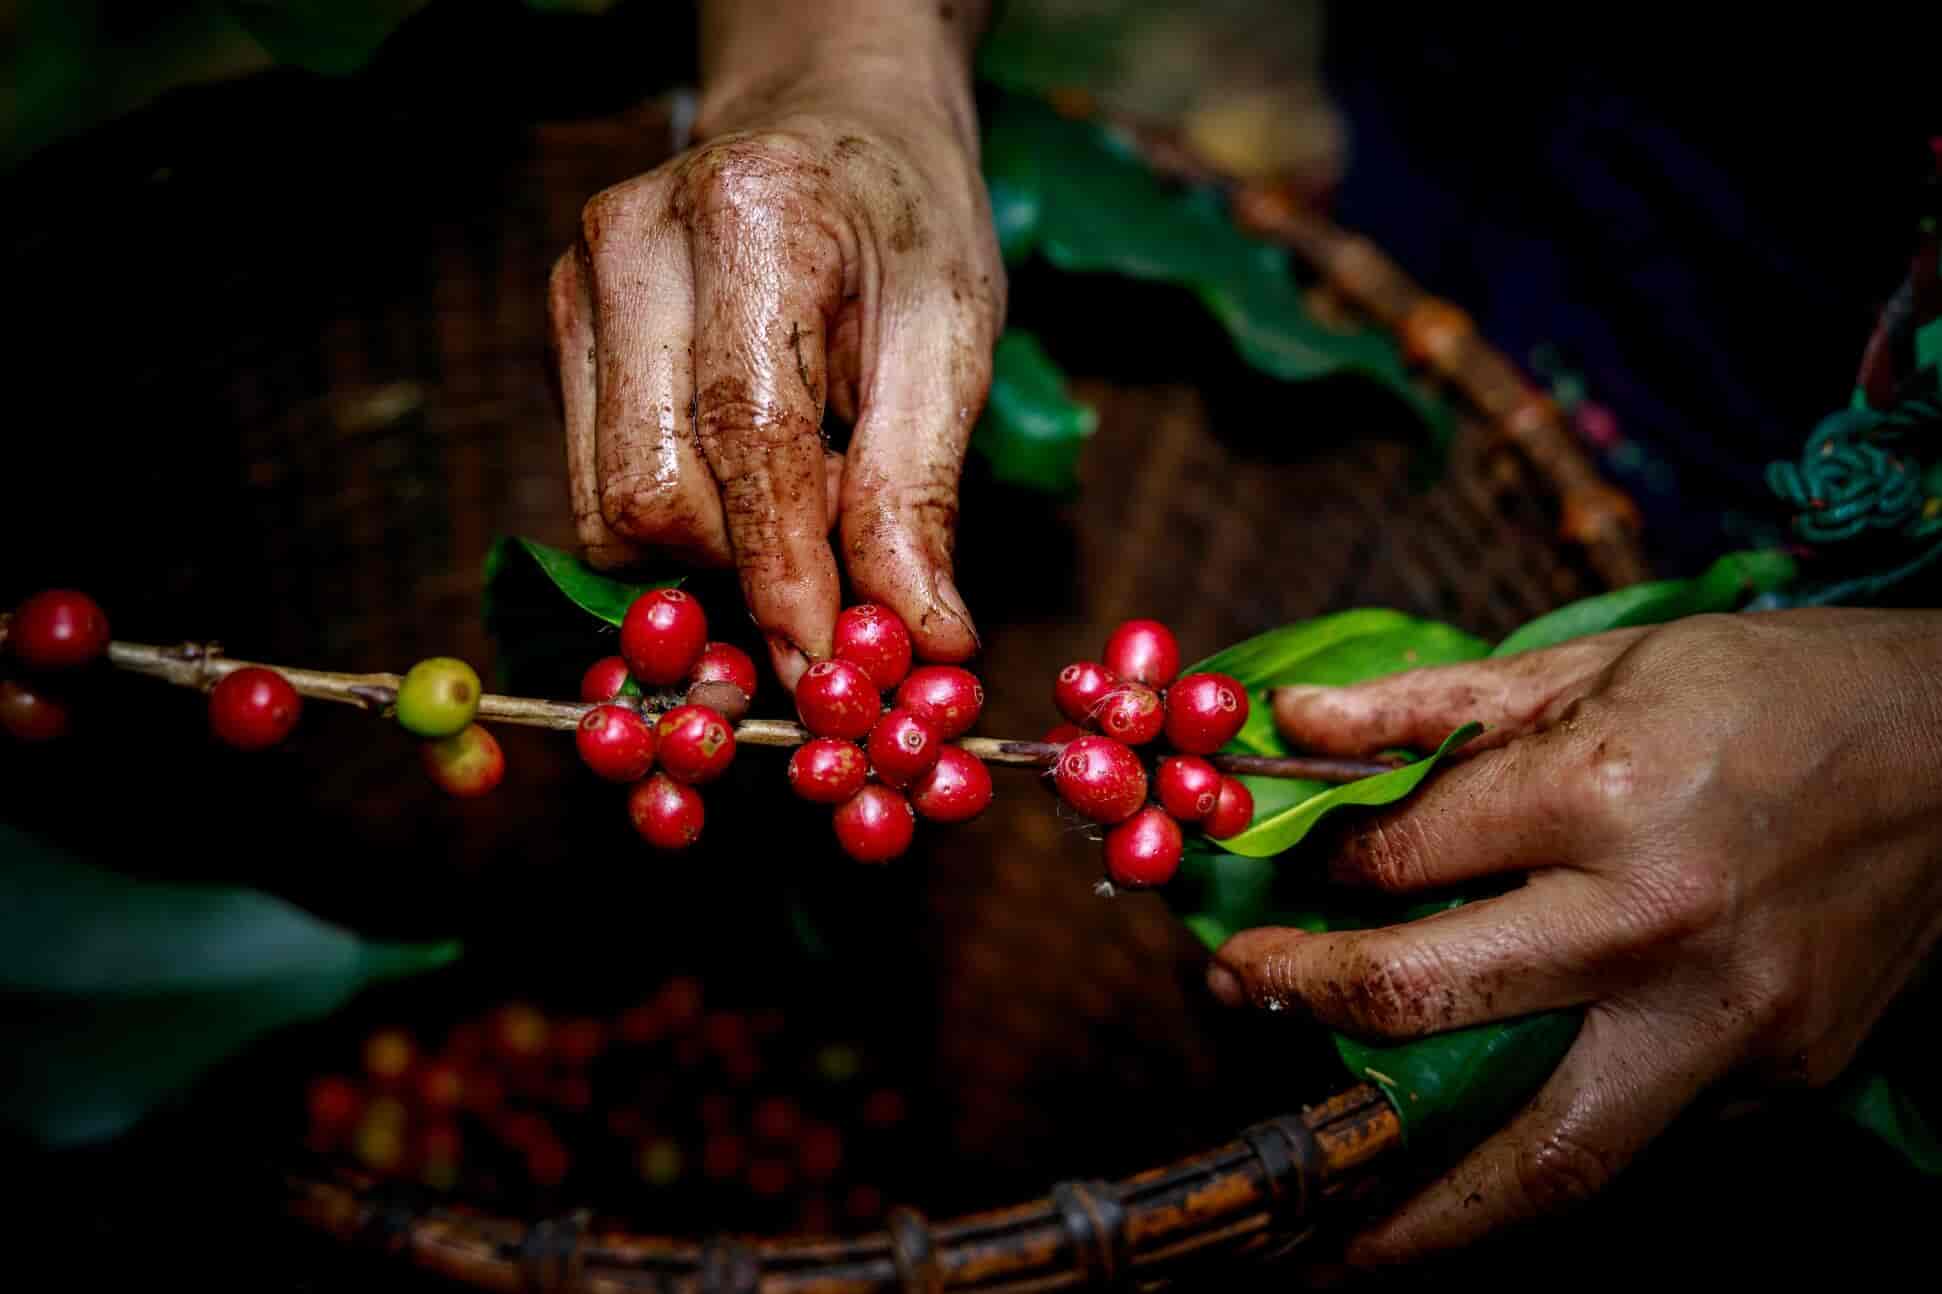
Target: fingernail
x=790 y=660
x=947 y=593
x=1225 y=985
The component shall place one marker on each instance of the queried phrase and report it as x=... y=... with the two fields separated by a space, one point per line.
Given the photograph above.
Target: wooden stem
x=202 y=665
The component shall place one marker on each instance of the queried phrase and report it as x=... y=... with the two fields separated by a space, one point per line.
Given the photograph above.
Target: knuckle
x=1679 y=901
x=613 y=212
x=1560 y=1171
x=741 y=428
x=744 y=178
x=1398 y=990
x=1386 y=854
x=644 y=507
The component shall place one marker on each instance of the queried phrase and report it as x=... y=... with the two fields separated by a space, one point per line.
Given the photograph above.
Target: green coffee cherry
x=438 y=697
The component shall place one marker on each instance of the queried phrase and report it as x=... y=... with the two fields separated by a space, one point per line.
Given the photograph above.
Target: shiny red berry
x=254 y=708
x=1102 y=779
x=30 y=714
x=835 y=698
x=1144 y=850
x=957 y=789
x=1204 y=711
x=1233 y=811
x=58 y=629
x=696 y=745
x=875 y=825
x=662 y=636
x=1143 y=651
x=1188 y=787
x=1081 y=686
x=902 y=747
x=1131 y=713
x=1064 y=733
x=470 y=764
x=873 y=636
x=945 y=697
x=825 y=770
x=616 y=742
x=725 y=663
x=667 y=814
x=604 y=679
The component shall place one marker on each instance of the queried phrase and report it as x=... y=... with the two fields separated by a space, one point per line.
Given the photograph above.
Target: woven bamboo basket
x=312 y=390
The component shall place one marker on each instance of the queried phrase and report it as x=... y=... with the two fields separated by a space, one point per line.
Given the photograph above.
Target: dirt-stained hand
x=828 y=243
x=1729 y=836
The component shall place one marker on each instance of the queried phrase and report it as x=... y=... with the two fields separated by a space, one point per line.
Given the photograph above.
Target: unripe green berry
x=439 y=697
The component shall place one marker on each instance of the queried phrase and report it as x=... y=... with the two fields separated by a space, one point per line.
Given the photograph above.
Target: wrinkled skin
x=828 y=244
x=1729 y=832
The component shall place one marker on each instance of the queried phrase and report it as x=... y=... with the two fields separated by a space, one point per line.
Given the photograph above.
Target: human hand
x=829 y=242
x=1729 y=831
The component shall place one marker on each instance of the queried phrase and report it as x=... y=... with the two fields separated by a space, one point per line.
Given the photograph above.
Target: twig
x=202 y=665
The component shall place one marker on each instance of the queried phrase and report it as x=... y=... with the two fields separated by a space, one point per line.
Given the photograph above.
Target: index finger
x=763 y=283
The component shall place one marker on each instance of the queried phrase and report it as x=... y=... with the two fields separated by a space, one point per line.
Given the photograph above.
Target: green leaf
x=601 y=596
x=1078 y=196
x=116 y=994
x=333 y=37
x=1726 y=585
x=1875 y=1103
x=1928 y=345
x=1452 y=1089
x=1031 y=432
x=1278 y=832
x=1333 y=650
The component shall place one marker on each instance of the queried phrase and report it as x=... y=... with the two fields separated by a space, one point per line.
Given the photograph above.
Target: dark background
x=207 y=295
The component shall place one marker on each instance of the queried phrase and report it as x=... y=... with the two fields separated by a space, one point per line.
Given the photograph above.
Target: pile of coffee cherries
x=881 y=768
x=1131 y=698
x=664 y=643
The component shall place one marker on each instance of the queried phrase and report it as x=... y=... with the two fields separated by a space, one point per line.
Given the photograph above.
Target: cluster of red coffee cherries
x=49 y=636
x=664 y=642
x=906 y=749
x=1131 y=698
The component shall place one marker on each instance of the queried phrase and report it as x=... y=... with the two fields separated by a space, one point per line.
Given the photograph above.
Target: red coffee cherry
x=873 y=636
x=1232 y=812
x=835 y=698
x=957 y=789
x=662 y=636
x=616 y=742
x=696 y=745
x=58 y=629
x=1064 y=733
x=944 y=696
x=875 y=825
x=666 y=814
x=1204 y=711
x=725 y=663
x=1143 y=651
x=1081 y=686
x=467 y=765
x=1102 y=779
x=1131 y=713
x=254 y=708
x=902 y=747
x=1188 y=787
x=30 y=714
x=604 y=679
x=825 y=770
x=1144 y=850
